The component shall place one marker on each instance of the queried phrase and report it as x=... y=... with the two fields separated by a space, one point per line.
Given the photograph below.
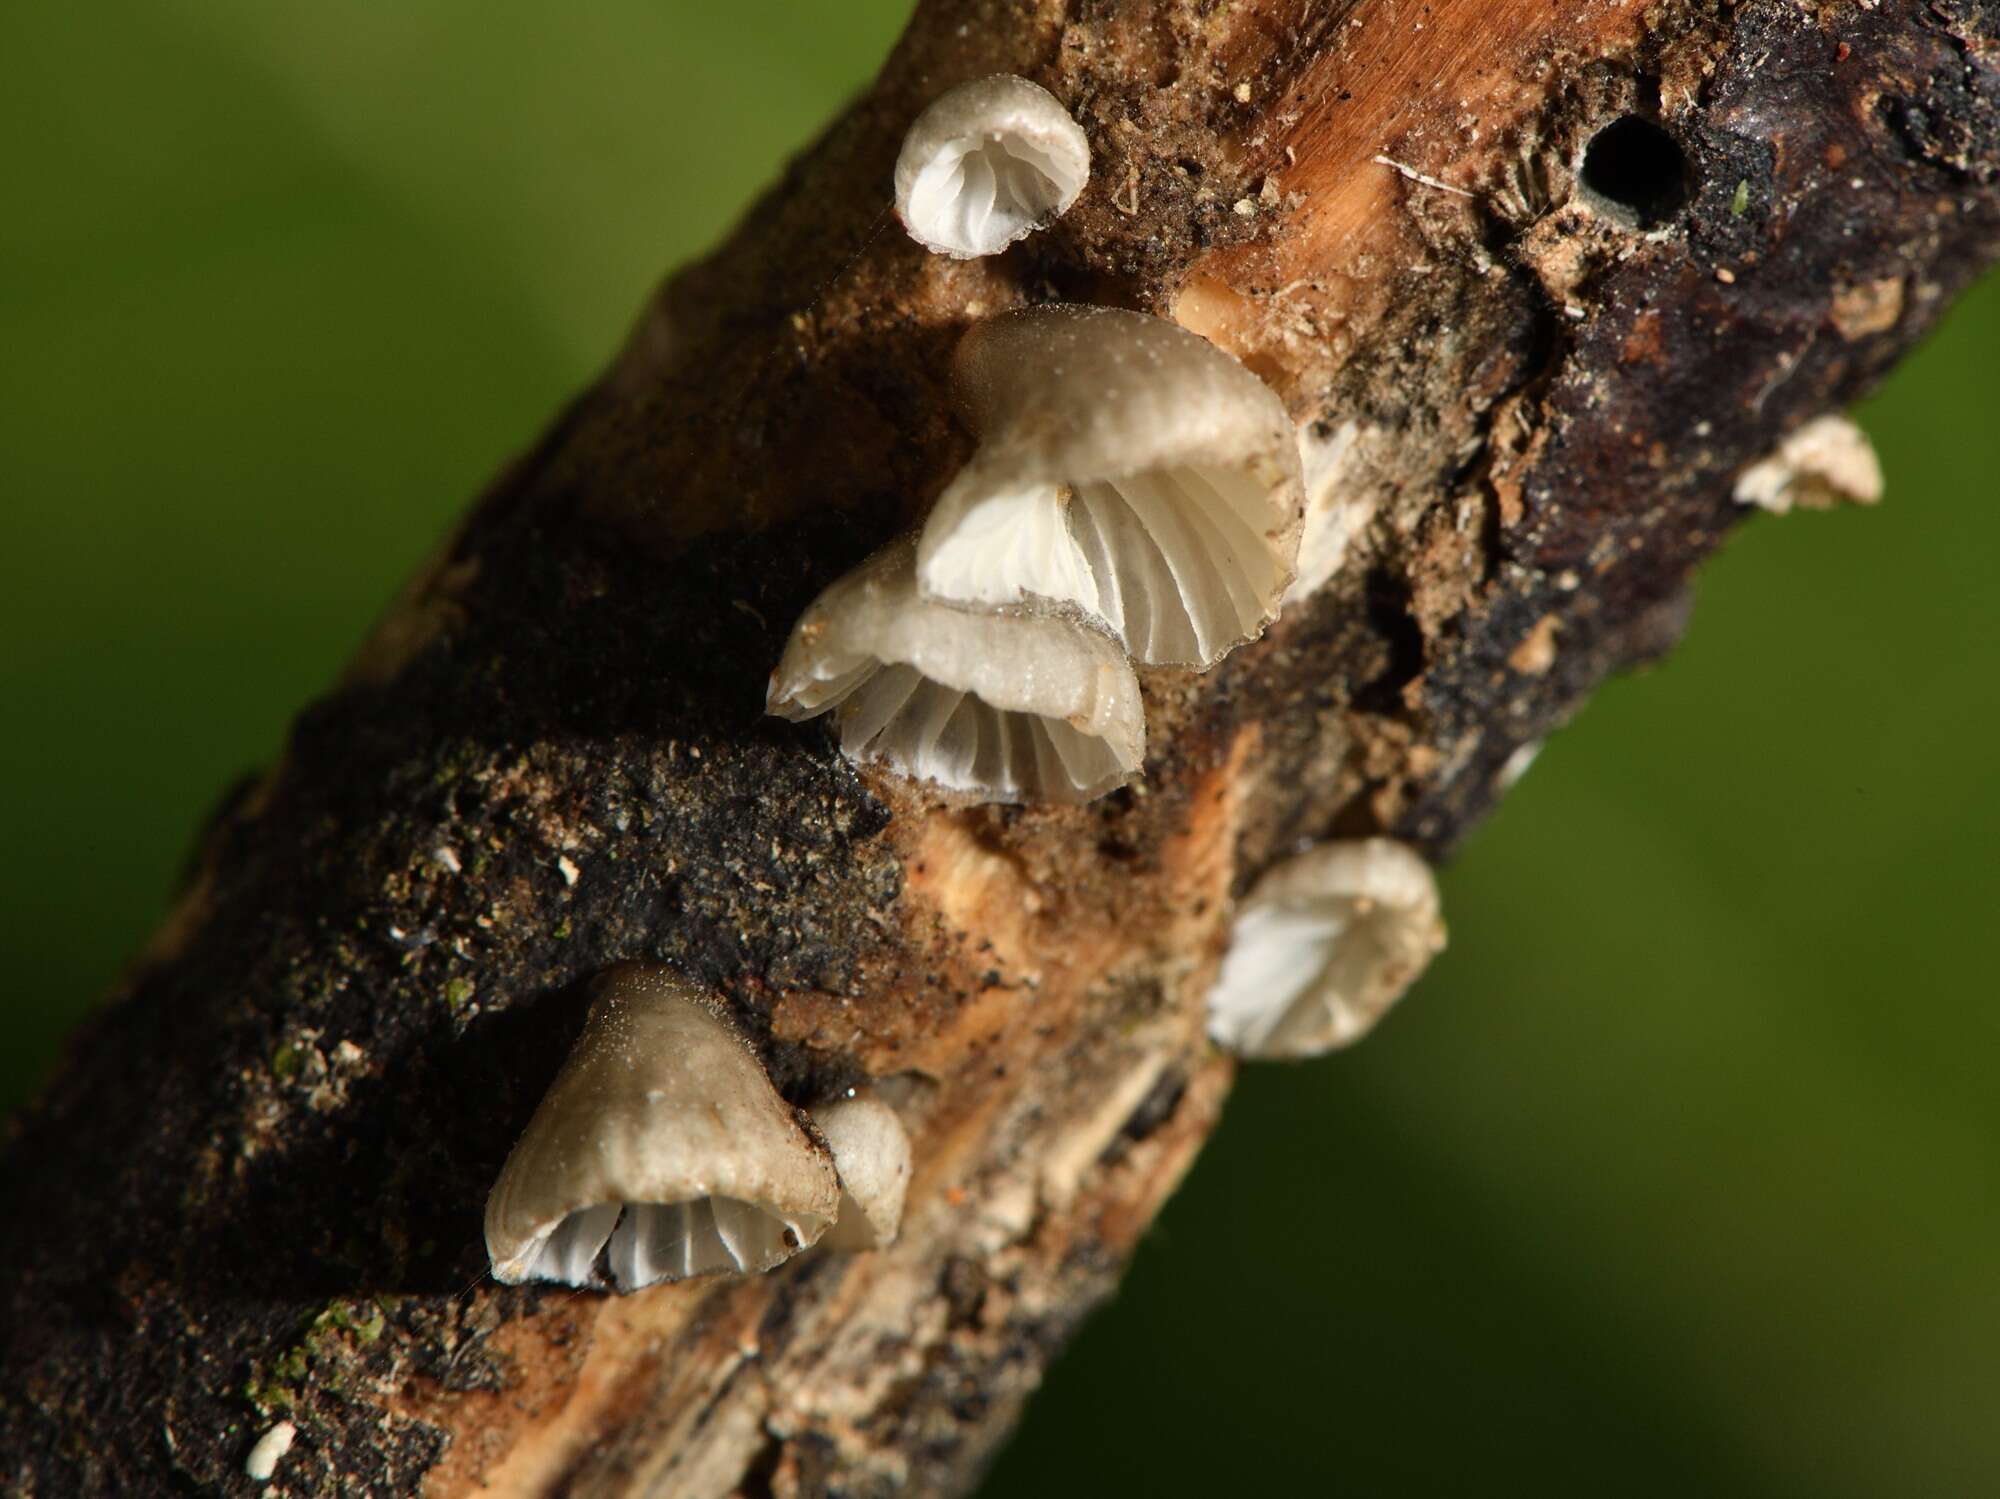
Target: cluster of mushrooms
x=664 y=1139
x=1135 y=498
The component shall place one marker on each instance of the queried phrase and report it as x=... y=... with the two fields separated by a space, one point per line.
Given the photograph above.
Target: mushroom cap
x=988 y=163
x=663 y=1135
x=1128 y=468
x=1008 y=705
x=871 y=1151
x=1322 y=946
x=1819 y=464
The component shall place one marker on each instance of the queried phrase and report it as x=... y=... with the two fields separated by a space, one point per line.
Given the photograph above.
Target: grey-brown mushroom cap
x=1127 y=467
x=986 y=164
x=1322 y=946
x=663 y=1135
x=1006 y=705
x=871 y=1151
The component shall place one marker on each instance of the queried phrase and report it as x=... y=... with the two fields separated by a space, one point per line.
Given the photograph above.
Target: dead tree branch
x=1534 y=355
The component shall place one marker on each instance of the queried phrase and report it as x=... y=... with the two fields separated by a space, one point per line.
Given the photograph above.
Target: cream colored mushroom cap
x=662 y=1126
x=1322 y=946
x=871 y=1151
x=1082 y=392
x=1054 y=699
x=1826 y=460
x=986 y=164
x=1127 y=467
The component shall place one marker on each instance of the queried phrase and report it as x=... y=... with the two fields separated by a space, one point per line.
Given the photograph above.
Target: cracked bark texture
x=253 y=1190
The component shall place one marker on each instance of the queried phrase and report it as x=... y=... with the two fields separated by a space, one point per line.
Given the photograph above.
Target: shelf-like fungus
x=1127 y=468
x=1006 y=705
x=1337 y=507
x=1823 y=462
x=871 y=1152
x=987 y=163
x=1322 y=946
x=663 y=1137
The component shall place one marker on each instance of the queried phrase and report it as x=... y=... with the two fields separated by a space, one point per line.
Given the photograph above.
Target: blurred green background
x=1676 y=1175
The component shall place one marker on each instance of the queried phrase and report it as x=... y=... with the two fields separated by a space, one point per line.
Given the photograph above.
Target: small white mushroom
x=986 y=164
x=1322 y=946
x=1009 y=706
x=1517 y=765
x=871 y=1151
x=1126 y=467
x=1827 y=460
x=1338 y=507
x=663 y=1137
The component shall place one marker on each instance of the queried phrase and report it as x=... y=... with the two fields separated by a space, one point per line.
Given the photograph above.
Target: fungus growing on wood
x=1337 y=508
x=871 y=1151
x=987 y=163
x=1322 y=946
x=1827 y=460
x=663 y=1137
x=1005 y=705
x=1126 y=467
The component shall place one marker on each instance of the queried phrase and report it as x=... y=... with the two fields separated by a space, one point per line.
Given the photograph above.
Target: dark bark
x=254 y=1188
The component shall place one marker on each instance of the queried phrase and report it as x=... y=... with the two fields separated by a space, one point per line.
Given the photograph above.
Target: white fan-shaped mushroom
x=1008 y=705
x=987 y=163
x=1126 y=467
x=1337 y=509
x=1818 y=465
x=871 y=1152
x=663 y=1137
x=1322 y=946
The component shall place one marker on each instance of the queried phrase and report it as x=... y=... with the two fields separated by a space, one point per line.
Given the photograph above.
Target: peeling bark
x=1532 y=357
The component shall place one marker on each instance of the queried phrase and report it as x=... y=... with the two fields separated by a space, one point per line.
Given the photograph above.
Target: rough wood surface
x=253 y=1191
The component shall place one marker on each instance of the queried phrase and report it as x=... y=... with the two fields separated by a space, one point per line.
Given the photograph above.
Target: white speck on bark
x=271 y=1446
